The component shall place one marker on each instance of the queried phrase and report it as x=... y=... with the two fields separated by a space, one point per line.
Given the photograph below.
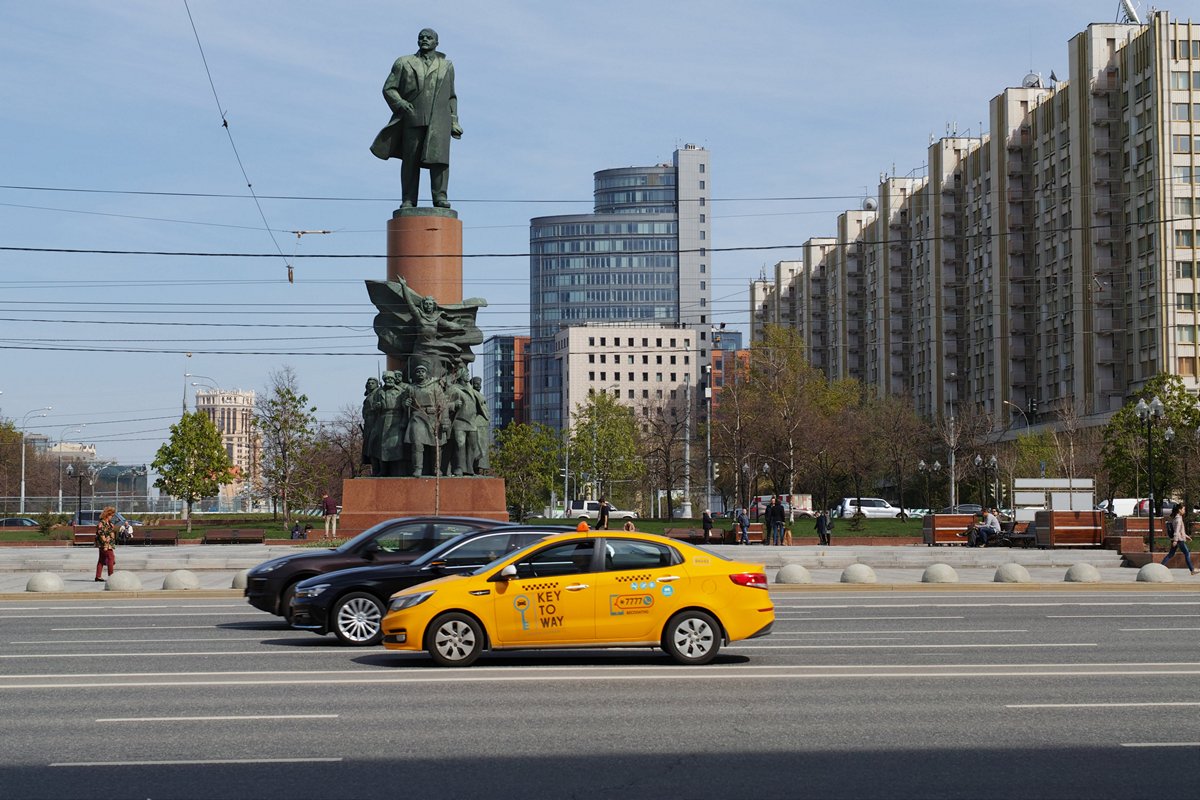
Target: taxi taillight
x=756 y=580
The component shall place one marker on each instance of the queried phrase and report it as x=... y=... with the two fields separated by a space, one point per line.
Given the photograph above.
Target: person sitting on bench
x=988 y=529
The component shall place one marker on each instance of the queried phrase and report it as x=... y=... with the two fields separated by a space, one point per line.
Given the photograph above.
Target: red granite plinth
x=424 y=246
x=369 y=501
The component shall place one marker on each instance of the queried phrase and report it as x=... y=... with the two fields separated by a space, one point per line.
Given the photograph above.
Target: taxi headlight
x=408 y=601
x=312 y=591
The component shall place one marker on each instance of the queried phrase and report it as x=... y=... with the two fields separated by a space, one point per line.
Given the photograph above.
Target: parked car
x=84 y=518
x=18 y=522
x=590 y=510
x=270 y=585
x=586 y=590
x=872 y=507
x=351 y=602
x=963 y=508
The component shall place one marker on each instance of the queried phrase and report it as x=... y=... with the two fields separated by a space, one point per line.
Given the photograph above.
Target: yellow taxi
x=586 y=589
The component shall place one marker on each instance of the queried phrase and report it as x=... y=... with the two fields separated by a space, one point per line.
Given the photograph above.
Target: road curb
x=984 y=587
x=202 y=594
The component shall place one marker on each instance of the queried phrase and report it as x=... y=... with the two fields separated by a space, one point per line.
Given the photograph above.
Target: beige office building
x=1048 y=264
x=232 y=412
x=645 y=367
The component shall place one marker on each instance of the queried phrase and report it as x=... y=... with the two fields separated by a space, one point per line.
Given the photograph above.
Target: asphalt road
x=1023 y=694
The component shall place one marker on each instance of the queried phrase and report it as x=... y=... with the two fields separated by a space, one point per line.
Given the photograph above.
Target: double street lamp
x=1147 y=413
x=928 y=470
x=990 y=468
x=78 y=475
x=37 y=412
x=61 y=436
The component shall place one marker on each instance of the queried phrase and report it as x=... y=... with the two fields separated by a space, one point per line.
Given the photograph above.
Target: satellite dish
x=1032 y=81
x=869 y=204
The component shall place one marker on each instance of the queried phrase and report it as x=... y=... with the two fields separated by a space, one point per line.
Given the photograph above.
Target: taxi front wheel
x=454 y=640
x=692 y=638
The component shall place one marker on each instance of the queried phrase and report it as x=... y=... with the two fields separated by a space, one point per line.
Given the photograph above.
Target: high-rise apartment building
x=232 y=412
x=1046 y=266
x=641 y=258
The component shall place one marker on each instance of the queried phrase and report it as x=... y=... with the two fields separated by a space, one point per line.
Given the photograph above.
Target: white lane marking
x=425 y=676
x=192 y=762
x=155 y=641
x=775 y=635
x=868 y=619
x=139 y=628
x=217 y=719
x=1101 y=705
x=125 y=613
x=326 y=651
x=1160 y=744
x=1114 y=615
x=736 y=646
x=1141 y=630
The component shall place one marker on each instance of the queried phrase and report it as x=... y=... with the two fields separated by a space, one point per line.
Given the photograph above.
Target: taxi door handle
x=668 y=578
x=575 y=587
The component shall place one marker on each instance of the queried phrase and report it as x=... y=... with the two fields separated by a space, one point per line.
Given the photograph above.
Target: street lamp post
x=1147 y=413
x=928 y=470
x=1020 y=410
x=65 y=431
x=685 y=508
x=708 y=393
x=37 y=412
x=78 y=475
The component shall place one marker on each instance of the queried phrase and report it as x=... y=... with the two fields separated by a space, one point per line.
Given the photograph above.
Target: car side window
x=572 y=558
x=402 y=538
x=478 y=551
x=622 y=554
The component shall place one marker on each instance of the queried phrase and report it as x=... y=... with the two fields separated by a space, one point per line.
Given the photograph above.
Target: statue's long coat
x=435 y=106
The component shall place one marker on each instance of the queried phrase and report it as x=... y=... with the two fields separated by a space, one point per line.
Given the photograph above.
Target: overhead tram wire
x=233 y=145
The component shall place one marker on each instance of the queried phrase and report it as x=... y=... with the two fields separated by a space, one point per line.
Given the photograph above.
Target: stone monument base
x=369 y=501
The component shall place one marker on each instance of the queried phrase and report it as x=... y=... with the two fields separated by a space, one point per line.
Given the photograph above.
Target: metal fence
x=69 y=504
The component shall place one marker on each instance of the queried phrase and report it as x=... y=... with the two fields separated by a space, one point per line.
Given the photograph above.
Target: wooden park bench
x=150 y=536
x=1069 y=528
x=946 y=528
x=696 y=535
x=83 y=535
x=234 y=536
x=754 y=533
x=1014 y=534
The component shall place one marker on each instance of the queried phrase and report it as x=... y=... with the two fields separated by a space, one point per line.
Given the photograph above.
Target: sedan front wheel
x=454 y=640
x=357 y=618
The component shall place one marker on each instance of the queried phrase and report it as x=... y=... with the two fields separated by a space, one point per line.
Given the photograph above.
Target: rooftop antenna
x=1127 y=13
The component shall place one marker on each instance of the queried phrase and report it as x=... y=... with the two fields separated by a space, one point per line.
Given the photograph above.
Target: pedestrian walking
x=743 y=522
x=106 y=542
x=602 y=521
x=706 y=522
x=329 y=511
x=775 y=521
x=1179 y=538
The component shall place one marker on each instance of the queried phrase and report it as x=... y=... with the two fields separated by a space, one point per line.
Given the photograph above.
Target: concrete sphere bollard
x=241 y=579
x=1082 y=573
x=181 y=579
x=858 y=573
x=939 y=573
x=44 y=582
x=122 y=581
x=1155 y=573
x=793 y=573
x=1011 y=573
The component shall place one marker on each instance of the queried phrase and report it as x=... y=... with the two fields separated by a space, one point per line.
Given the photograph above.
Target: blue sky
x=793 y=99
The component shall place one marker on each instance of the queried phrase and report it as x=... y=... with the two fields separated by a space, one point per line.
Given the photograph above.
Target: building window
x=1184 y=237
x=701 y=184
x=1185 y=301
x=702 y=166
x=1179 y=112
x=1185 y=334
x=1180 y=80
x=1184 y=269
x=1187 y=366
x=1181 y=143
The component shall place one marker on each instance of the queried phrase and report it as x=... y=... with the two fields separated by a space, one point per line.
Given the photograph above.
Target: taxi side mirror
x=506 y=574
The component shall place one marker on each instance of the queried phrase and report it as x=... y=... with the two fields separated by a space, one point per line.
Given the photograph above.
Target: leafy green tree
x=604 y=447
x=1124 y=451
x=526 y=457
x=193 y=463
x=288 y=426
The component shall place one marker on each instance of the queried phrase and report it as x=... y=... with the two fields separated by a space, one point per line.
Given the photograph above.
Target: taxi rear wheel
x=357 y=619
x=454 y=640
x=692 y=637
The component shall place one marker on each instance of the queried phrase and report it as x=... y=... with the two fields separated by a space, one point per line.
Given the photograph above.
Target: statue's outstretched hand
x=456 y=131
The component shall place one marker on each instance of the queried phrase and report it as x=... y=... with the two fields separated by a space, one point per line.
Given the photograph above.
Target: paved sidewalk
x=215 y=566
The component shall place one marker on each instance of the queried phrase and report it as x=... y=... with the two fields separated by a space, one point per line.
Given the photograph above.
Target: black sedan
x=352 y=602
x=269 y=586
